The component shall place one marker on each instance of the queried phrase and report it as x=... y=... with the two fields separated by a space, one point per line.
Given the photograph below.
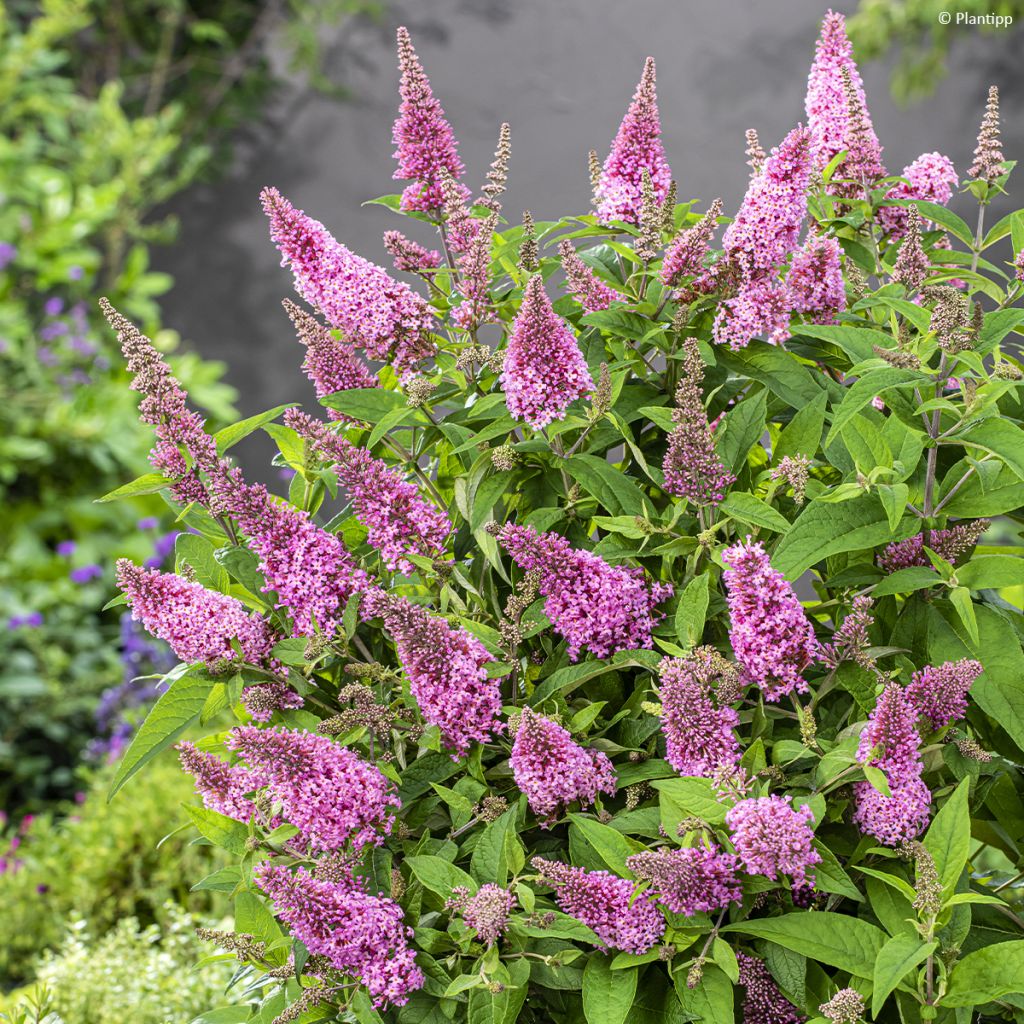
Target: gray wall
x=562 y=73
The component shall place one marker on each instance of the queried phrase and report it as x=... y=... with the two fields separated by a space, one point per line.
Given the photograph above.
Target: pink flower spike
x=691 y=880
x=587 y=288
x=773 y=838
x=426 y=144
x=544 y=368
x=815 y=280
x=637 y=148
x=939 y=692
x=931 y=178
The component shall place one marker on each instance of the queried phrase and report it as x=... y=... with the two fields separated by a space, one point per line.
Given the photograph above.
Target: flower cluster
x=553 y=771
x=590 y=291
x=950 y=544
x=488 y=912
x=939 y=692
x=771 y=635
x=686 y=255
x=890 y=743
x=608 y=905
x=689 y=880
x=590 y=603
x=223 y=787
x=763 y=1003
x=772 y=838
x=931 y=178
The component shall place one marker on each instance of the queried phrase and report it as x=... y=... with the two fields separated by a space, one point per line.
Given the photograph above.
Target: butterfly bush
x=637 y=634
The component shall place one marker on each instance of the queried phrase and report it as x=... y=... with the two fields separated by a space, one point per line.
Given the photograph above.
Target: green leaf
x=830 y=876
x=199 y=553
x=439 y=875
x=895 y=960
x=490 y=490
x=567 y=679
x=752 y=510
x=838 y=940
x=253 y=918
x=873 y=383
x=368 y=405
x=802 y=435
x=857 y=342
x=824 y=529
x=686 y=798
x=612 y=488
x=780 y=371
x=960 y=598
x=1000 y=437
x=741 y=429
x=432 y=766
x=230 y=436
x=611 y=846
x=692 y=610
x=711 y=1001
x=607 y=994
x=986 y=974
x=894 y=499
x=222 y=831
x=148 y=483
x=906 y=581
x=948 y=838
x=946 y=218
x=991 y=572
x=178 y=707
x=497 y=848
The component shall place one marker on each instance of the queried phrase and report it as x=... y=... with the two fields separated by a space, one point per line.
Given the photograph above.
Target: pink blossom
x=333 y=797
x=399 y=521
x=763 y=1003
x=377 y=313
x=815 y=280
x=263 y=699
x=699 y=735
x=931 y=177
x=1018 y=266
x=222 y=787
x=488 y=912
x=410 y=256
x=553 y=771
x=689 y=249
x=691 y=880
x=828 y=110
x=950 y=544
x=331 y=365
x=890 y=743
x=199 y=624
x=544 y=368
x=588 y=289
x=360 y=934
x=762 y=306
x=427 y=149
x=771 y=635
x=608 y=905
x=773 y=838
x=637 y=148
x=447 y=670
x=939 y=692
x=590 y=603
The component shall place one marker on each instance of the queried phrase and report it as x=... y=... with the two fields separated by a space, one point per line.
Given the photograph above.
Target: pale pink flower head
x=590 y=603
x=447 y=670
x=605 y=903
x=544 y=371
x=939 y=692
x=361 y=935
x=773 y=838
x=553 y=771
x=488 y=912
x=762 y=307
x=222 y=787
x=815 y=280
x=198 y=624
x=383 y=316
x=691 y=880
x=637 y=148
x=685 y=256
x=771 y=635
x=427 y=149
x=931 y=178
x=828 y=109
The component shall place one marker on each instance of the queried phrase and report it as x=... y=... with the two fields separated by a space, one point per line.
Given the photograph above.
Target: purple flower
x=66 y=548
x=771 y=635
x=637 y=148
x=589 y=290
x=931 y=177
x=763 y=1003
x=8 y=253
x=222 y=787
x=361 y=935
x=447 y=670
x=33 y=620
x=689 y=881
x=762 y=306
x=409 y=256
x=544 y=368
x=773 y=838
x=377 y=313
x=86 y=573
x=610 y=906
x=75 y=273
x=263 y=699
x=950 y=544
x=815 y=280
x=699 y=736
x=148 y=523
x=553 y=771
x=685 y=256
x=939 y=692
x=427 y=149
x=488 y=912
x=590 y=603
x=53 y=306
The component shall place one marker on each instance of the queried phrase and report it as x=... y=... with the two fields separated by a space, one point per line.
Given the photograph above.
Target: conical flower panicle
x=399 y=520
x=692 y=880
x=637 y=148
x=447 y=670
x=685 y=256
x=587 y=288
x=763 y=1002
x=553 y=771
x=410 y=257
x=544 y=371
x=988 y=154
x=939 y=692
x=773 y=838
x=329 y=364
x=383 y=316
x=222 y=787
x=951 y=544
x=426 y=144
x=815 y=280
x=590 y=603
x=931 y=177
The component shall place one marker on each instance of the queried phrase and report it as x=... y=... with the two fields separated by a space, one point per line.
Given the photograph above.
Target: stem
x=978 y=239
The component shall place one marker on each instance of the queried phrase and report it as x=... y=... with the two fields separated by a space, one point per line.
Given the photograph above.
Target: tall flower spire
x=828 y=104
x=815 y=280
x=544 y=368
x=637 y=148
x=377 y=313
x=425 y=141
x=447 y=670
x=590 y=291
x=686 y=254
x=553 y=771
x=329 y=364
x=692 y=467
x=931 y=177
x=988 y=155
